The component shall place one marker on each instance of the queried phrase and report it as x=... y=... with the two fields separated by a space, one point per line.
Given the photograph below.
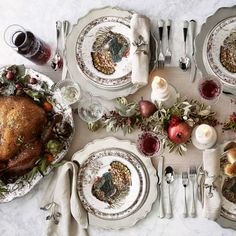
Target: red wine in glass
x=149 y=144
x=210 y=88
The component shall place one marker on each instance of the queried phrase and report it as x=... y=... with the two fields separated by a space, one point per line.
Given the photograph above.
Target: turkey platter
x=35 y=129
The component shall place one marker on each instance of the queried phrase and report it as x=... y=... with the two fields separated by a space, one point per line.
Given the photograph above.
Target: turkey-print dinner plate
x=216 y=48
x=115 y=183
x=22 y=185
x=102 y=51
x=97 y=53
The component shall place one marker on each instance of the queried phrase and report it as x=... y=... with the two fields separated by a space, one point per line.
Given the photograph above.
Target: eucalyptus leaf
x=33 y=94
x=20 y=69
x=122 y=101
x=204 y=112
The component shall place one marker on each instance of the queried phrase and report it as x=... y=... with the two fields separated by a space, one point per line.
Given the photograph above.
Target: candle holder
x=204 y=144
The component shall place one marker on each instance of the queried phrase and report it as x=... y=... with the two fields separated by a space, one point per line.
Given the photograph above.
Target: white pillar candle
x=204 y=134
x=160 y=89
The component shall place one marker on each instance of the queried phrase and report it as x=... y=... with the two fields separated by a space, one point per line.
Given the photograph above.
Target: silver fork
x=161 y=57
x=185 y=184
x=192 y=177
x=168 y=51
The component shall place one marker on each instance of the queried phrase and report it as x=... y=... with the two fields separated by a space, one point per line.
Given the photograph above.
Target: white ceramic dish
x=142 y=191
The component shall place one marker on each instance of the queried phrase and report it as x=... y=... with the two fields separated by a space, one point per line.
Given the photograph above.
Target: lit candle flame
x=206 y=132
x=160 y=82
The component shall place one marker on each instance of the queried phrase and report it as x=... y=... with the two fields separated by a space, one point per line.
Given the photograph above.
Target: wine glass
x=89 y=108
x=150 y=144
x=210 y=89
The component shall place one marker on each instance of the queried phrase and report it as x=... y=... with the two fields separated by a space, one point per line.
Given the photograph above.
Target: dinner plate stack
x=98 y=55
x=116 y=184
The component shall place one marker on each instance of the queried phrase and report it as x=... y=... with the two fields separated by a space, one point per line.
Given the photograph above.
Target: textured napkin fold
x=63 y=203
x=140 y=48
x=212 y=185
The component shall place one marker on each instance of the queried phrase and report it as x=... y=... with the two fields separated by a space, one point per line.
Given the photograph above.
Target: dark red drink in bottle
x=27 y=44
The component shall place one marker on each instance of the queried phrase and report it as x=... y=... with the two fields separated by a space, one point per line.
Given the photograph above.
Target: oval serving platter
x=22 y=185
x=115 y=183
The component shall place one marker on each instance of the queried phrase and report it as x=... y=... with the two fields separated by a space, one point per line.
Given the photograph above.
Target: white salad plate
x=116 y=184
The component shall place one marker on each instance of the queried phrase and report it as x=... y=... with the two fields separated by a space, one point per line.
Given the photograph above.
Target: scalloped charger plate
x=80 y=43
x=208 y=42
x=96 y=160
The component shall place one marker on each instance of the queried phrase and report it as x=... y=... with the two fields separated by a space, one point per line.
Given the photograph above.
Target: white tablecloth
x=22 y=217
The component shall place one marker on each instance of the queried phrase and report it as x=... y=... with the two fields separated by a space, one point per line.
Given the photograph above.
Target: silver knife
x=160 y=177
x=192 y=30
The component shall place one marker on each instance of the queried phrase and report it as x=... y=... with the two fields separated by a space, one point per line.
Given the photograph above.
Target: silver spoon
x=57 y=58
x=184 y=62
x=169 y=174
x=65 y=29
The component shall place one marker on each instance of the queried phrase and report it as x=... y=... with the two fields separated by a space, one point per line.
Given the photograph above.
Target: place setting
x=113 y=183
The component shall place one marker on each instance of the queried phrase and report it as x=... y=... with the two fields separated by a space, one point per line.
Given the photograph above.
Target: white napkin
x=63 y=191
x=212 y=186
x=140 y=55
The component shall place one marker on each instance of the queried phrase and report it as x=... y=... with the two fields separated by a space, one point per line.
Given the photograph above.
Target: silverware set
x=185 y=62
x=62 y=30
x=164 y=58
x=186 y=178
x=192 y=177
x=56 y=62
x=169 y=177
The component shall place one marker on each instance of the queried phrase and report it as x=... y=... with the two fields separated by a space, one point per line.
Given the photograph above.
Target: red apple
x=179 y=133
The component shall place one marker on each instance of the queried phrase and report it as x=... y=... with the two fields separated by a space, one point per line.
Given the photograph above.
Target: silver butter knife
x=160 y=180
x=192 y=30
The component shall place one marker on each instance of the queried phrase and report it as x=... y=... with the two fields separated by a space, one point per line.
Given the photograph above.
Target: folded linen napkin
x=212 y=185
x=68 y=217
x=140 y=51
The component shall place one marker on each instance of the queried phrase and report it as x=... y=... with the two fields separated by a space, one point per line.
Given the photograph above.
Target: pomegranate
x=179 y=133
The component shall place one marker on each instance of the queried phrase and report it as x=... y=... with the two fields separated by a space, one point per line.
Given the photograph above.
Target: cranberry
x=10 y=75
x=19 y=86
x=33 y=81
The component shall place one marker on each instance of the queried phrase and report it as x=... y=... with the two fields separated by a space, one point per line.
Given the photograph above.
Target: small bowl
x=149 y=144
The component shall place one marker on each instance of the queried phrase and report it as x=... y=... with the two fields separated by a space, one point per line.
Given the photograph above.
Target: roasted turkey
x=21 y=124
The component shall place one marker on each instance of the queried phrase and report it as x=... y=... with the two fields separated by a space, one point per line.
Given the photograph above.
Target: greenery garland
x=127 y=117
x=230 y=123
